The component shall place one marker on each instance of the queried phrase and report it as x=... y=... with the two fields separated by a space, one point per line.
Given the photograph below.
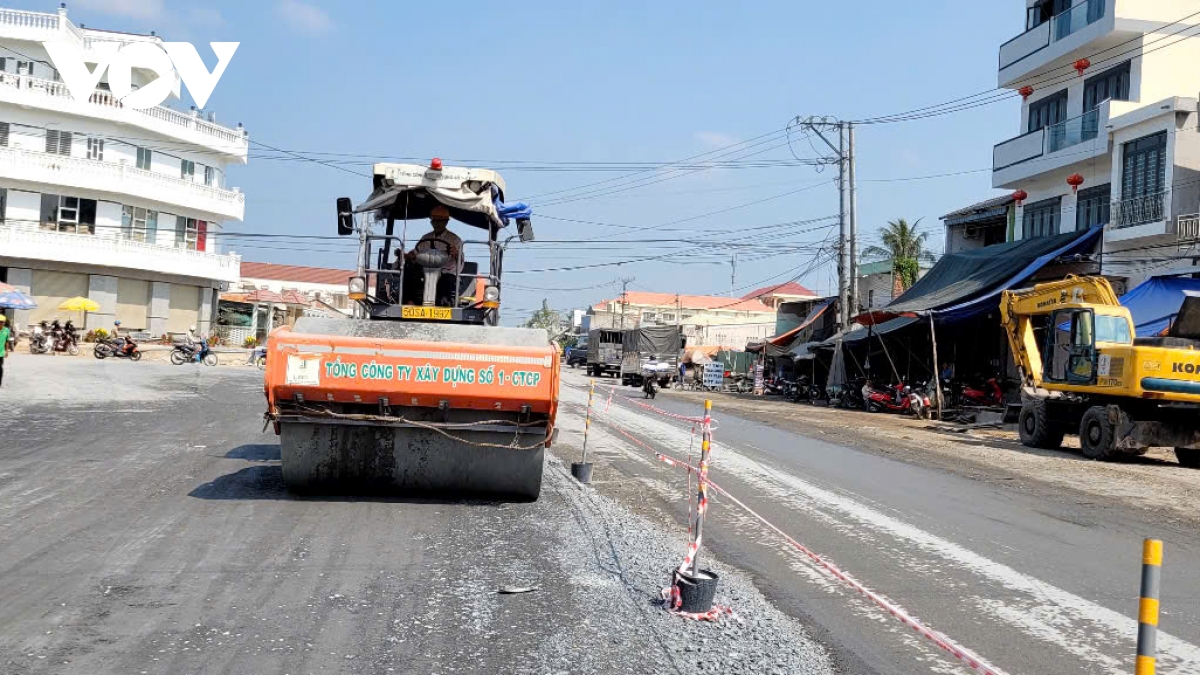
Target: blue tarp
x=1155 y=303
x=968 y=283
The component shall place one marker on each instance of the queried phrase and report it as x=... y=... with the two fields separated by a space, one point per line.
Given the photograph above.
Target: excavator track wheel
x=1188 y=457
x=1035 y=427
x=1097 y=434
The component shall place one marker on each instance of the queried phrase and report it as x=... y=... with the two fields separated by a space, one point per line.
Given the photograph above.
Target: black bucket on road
x=696 y=591
x=582 y=471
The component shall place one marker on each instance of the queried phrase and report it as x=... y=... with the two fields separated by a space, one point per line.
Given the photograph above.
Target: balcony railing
x=58 y=26
x=1140 y=210
x=230 y=140
x=27 y=240
x=120 y=179
x=1187 y=228
x=1073 y=131
x=1080 y=16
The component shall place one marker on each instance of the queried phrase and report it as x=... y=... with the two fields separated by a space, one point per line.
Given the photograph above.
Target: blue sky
x=552 y=82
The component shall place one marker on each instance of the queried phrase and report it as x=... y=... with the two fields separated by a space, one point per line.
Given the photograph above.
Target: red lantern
x=436 y=164
x=1082 y=65
x=1020 y=196
x=1075 y=180
x=1025 y=92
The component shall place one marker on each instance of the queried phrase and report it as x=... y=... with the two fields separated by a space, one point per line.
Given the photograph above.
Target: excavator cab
x=432 y=280
x=1071 y=354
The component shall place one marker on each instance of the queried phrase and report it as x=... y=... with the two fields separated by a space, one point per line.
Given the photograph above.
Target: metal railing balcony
x=1187 y=228
x=1073 y=131
x=1140 y=210
x=26 y=90
x=1080 y=16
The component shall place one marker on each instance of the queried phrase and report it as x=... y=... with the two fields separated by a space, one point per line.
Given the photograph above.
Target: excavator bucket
x=412 y=408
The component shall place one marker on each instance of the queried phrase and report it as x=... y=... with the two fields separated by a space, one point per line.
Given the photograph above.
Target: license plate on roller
x=436 y=313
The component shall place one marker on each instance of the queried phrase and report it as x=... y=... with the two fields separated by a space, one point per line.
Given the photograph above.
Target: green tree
x=545 y=318
x=905 y=247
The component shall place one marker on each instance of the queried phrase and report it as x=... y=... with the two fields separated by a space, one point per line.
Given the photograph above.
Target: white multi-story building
x=1111 y=93
x=100 y=200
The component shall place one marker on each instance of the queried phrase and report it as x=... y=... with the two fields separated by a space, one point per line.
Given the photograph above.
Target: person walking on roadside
x=6 y=336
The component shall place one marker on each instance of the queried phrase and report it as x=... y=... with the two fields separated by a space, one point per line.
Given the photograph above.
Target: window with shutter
x=95 y=148
x=1041 y=219
x=4 y=131
x=1111 y=84
x=58 y=142
x=1048 y=111
x=1143 y=166
x=1093 y=207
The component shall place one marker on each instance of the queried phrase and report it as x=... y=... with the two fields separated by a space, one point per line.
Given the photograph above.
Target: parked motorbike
x=116 y=349
x=990 y=394
x=901 y=399
x=775 y=386
x=184 y=354
x=39 y=341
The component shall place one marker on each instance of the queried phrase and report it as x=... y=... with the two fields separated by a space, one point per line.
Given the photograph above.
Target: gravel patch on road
x=628 y=561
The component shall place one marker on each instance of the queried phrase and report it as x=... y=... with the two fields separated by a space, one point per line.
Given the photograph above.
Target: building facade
x=326 y=285
x=878 y=284
x=122 y=206
x=1108 y=129
x=705 y=319
x=774 y=296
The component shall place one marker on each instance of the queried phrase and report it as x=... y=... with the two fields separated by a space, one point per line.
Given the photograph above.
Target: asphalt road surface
x=1034 y=579
x=144 y=529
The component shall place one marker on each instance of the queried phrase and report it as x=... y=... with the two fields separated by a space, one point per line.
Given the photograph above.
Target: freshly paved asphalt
x=144 y=528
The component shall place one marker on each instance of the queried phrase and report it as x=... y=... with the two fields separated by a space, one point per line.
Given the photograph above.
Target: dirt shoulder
x=1153 y=482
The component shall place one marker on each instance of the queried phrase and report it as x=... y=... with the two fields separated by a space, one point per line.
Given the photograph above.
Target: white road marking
x=1048 y=614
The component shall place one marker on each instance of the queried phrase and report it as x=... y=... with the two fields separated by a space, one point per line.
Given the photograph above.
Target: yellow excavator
x=1084 y=371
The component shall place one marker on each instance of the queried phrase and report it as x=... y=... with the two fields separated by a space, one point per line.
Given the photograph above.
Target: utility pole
x=847 y=222
x=850 y=160
x=843 y=240
x=625 y=281
x=733 y=276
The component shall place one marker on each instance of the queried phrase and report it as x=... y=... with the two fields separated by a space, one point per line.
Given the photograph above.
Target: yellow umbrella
x=79 y=304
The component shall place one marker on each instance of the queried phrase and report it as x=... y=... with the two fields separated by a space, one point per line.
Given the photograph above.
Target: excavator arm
x=1017 y=309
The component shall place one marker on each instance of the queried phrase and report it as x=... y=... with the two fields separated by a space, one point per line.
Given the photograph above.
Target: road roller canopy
x=473 y=196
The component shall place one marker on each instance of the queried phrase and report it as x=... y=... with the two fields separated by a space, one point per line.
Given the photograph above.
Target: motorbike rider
x=128 y=345
x=198 y=346
x=650 y=376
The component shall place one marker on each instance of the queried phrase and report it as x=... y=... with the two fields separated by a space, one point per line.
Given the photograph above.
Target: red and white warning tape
x=939 y=639
x=612 y=389
x=943 y=642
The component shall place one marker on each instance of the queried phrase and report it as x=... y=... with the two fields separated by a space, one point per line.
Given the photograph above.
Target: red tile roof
x=698 y=302
x=309 y=275
x=791 y=288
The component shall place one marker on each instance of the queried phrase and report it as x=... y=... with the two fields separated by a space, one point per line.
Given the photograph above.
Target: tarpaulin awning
x=964 y=284
x=860 y=333
x=1156 y=302
x=803 y=352
x=813 y=314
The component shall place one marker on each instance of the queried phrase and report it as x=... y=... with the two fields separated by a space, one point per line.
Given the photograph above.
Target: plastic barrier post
x=702 y=493
x=1147 y=643
x=582 y=470
x=587 y=420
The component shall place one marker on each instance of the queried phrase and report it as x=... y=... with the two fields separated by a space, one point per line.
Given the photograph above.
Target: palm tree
x=905 y=247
